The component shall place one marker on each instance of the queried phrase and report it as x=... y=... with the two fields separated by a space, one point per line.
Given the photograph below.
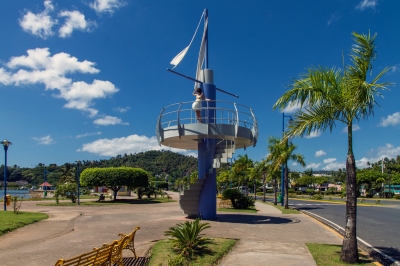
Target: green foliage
x=186 y=237
x=397 y=196
x=238 y=199
x=317 y=197
x=115 y=178
x=310 y=191
x=68 y=190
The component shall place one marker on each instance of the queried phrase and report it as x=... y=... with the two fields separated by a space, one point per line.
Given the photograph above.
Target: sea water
x=20 y=193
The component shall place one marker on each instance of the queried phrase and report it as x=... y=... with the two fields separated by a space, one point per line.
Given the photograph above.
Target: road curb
x=369 y=249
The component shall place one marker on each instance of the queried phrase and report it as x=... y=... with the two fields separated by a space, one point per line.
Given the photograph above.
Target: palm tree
x=241 y=168
x=330 y=95
x=259 y=171
x=280 y=152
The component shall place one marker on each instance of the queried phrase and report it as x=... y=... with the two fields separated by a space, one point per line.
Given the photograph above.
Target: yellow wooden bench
x=107 y=255
x=99 y=256
x=131 y=242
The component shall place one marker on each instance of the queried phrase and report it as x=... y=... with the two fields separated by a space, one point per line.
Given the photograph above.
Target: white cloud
x=39 y=24
x=334 y=166
x=107 y=6
x=391 y=120
x=122 y=109
x=362 y=163
x=320 y=153
x=88 y=134
x=395 y=68
x=364 y=4
x=355 y=128
x=109 y=120
x=292 y=108
x=40 y=67
x=294 y=164
x=333 y=18
x=46 y=140
x=329 y=160
x=74 y=20
x=130 y=144
x=313 y=134
x=313 y=165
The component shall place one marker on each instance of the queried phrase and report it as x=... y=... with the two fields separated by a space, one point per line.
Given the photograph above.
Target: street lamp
x=5 y=143
x=78 y=179
x=283 y=165
x=45 y=180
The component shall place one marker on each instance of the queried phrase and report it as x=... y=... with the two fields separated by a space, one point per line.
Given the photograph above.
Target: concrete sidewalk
x=268 y=237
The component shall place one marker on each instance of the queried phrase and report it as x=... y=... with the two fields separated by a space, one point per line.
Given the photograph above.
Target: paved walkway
x=266 y=238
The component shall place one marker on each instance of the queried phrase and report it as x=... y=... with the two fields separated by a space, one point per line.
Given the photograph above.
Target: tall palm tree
x=330 y=95
x=280 y=152
x=241 y=168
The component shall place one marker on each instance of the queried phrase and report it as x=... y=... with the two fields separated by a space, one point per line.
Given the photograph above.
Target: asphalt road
x=377 y=225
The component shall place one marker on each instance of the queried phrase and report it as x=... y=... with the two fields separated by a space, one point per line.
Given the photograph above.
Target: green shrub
x=369 y=195
x=310 y=191
x=397 y=196
x=238 y=199
x=186 y=237
x=291 y=190
x=244 y=202
x=317 y=197
x=292 y=195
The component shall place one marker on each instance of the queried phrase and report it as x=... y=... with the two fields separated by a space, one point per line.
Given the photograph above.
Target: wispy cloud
x=313 y=165
x=107 y=6
x=122 y=109
x=395 y=68
x=355 y=128
x=74 y=20
x=292 y=107
x=40 y=67
x=313 y=134
x=364 y=4
x=88 y=134
x=333 y=18
x=320 y=153
x=109 y=120
x=390 y=120
x=40 y=24
x=329 y=160
x=334 y=166
x=46 y=140
x=130 y=144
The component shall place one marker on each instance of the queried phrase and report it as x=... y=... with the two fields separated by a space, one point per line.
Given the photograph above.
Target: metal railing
x=223 y=112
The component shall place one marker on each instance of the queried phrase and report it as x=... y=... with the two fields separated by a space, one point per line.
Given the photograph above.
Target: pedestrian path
x=265 y=238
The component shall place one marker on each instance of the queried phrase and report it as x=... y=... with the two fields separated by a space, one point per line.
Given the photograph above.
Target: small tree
x=68 y=190
x=115 y=178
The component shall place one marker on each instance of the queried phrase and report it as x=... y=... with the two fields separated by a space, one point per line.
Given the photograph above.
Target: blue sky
x=87 y=79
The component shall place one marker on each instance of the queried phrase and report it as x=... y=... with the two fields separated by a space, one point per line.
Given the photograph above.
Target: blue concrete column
x=206 y=149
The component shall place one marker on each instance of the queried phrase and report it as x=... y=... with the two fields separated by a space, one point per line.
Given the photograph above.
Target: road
x=377 y=225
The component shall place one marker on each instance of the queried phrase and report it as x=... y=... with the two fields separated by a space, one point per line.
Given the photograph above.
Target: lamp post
x=166 y=180
x=283 y=165
x=45 y=180
x=78 y=181
x=5 y=143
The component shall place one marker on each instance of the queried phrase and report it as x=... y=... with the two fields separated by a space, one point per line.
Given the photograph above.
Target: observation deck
x=232 y=125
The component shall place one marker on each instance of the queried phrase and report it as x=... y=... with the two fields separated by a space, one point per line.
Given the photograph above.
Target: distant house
x=45 y=186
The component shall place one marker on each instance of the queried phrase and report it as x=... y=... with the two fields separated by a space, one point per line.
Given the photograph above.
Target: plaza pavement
x=265 y=238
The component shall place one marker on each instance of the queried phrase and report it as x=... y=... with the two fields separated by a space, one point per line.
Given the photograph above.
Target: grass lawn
x=236 y=210
x=163 y=250
x=282 y=209
x=329 y=255
x=10 y=221
x=110 y=202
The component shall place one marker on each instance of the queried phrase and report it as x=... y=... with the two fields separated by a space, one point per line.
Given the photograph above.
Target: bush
x=186 y=237
x=369 y=195
x=68 y=190
x=310 y=191
x=317 y=197
x=397 y=196
x=292 y=195
x=238 y=199
x=291 y=190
